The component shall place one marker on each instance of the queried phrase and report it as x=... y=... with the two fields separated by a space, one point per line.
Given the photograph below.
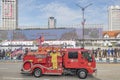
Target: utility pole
x=83 y=19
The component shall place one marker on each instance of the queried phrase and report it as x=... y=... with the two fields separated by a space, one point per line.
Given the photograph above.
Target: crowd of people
x=9 y=54
x=106 y=53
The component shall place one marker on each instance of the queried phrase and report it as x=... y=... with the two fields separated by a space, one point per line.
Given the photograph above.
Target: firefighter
x=54 y=54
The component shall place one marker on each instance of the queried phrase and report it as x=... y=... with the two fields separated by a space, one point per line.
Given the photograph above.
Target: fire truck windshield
x=87 y=55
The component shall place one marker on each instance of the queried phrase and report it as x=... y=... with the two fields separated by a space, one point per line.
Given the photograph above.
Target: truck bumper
x=94 y=70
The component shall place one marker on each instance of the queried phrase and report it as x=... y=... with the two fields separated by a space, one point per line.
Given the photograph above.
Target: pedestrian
x=119 y=52
x=103 y=55
x=108 y=51
x=115 y=51
x=26 y=51
x=95 y=52
x=0 y=55
x=99 y=52
x=112 y=52
x=3 y=54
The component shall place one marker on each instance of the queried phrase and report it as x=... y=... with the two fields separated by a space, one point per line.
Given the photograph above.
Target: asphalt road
x=11 y=71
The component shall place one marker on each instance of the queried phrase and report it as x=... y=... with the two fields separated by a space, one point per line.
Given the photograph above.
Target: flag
x=40 y=40
x=16 y=52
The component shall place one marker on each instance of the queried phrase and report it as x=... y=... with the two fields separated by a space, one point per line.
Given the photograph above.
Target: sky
x=66 y=12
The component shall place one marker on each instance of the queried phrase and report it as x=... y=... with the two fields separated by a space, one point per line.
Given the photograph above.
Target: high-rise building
x=51 y=22
x=9 y=14
x=114 y=17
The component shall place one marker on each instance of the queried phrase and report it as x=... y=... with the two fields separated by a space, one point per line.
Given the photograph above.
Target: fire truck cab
x=77 y=61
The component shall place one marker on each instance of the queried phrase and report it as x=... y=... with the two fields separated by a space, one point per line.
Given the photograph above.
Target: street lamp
x=83 y=19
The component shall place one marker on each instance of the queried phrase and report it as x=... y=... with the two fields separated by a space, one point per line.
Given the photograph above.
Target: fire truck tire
x=82 y=74
x=37 y=72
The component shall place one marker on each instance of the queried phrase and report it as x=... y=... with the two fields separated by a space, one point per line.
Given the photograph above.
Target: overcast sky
x=36 y=12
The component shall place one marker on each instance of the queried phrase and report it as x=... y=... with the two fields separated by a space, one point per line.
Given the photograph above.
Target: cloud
x=40 y=13
x=64 y=13
x=60 y=11
x=27 y=4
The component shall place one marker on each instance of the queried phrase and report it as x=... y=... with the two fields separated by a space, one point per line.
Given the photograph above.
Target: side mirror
x=90 y=59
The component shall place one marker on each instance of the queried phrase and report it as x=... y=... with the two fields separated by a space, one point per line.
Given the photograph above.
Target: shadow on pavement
x=60 y=77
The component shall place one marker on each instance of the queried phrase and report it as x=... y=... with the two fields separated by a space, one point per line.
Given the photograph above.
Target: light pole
x=83 y=19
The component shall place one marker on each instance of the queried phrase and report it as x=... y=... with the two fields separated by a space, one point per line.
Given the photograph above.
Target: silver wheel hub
x=37 y=73
x=82 y=74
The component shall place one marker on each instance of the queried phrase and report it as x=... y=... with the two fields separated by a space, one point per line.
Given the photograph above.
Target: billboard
x=52 y=34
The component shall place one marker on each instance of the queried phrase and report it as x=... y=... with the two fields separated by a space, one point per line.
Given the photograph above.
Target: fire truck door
x=72 y=59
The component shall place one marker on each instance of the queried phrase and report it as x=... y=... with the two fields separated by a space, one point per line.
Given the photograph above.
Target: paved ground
x=11 y=71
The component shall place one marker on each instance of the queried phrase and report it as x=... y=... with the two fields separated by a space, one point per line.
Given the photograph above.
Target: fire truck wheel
x=82 y=74
x=37 y=73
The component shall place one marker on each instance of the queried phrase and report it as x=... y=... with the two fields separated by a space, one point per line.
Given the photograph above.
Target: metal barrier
x=108 y=60
x=98 y=60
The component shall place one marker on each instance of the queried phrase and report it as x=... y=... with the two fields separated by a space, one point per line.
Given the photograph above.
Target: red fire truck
x=77 y=61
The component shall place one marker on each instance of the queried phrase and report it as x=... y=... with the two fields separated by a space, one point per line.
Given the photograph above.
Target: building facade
x=111 y=34
x=9 y=14
x=51 y=22
x=114 y=17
